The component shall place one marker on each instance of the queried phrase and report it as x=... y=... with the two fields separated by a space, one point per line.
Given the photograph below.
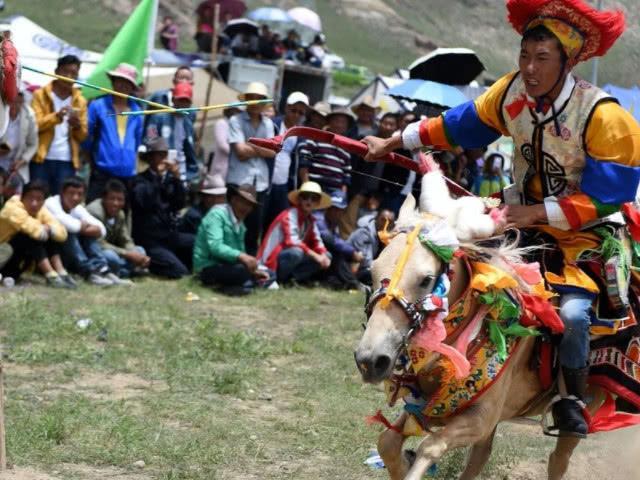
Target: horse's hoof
x=410 y=455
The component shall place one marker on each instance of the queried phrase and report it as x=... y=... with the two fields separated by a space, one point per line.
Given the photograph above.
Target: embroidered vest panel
x=557 y=160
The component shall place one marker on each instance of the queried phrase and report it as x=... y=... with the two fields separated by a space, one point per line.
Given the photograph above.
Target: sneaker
x=99 y=280
x=68 y=279
x=274 y=286
x=116 y=280
x=56 y=282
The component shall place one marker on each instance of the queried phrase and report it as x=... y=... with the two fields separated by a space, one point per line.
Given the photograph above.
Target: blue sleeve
x=463 y=127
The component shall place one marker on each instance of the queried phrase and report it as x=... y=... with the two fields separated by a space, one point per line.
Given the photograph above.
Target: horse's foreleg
x=471 y=427
x=559 y=458
x=390 y=450
x=478 y=455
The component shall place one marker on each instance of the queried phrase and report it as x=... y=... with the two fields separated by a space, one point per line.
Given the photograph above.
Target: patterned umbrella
x=427 y=92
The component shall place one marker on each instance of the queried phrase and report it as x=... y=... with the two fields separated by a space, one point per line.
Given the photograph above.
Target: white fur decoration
x=466 y=215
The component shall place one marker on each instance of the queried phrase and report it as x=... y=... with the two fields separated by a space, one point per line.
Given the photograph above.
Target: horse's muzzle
x=373 y=367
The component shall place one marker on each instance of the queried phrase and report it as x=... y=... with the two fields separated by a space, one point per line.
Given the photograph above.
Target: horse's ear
x=408 y=209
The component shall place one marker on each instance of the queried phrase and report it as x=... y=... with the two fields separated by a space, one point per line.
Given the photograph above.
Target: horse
x=517 y=392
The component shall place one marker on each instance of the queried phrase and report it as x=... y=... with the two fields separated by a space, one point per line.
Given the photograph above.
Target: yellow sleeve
x=613 y=135
x=16 y=215
x=488 y=105
x=40 y=105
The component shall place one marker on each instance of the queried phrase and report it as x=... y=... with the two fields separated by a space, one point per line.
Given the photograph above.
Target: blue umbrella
x=270 y=14
x=425 y=91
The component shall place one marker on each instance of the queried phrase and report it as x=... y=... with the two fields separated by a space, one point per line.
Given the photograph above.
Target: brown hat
x=248 y=192
x=153 y=144
x=321 y=108
x=367 y=101
x=342 y=111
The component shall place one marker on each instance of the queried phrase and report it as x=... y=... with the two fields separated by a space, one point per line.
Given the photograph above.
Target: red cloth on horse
x=543 y=314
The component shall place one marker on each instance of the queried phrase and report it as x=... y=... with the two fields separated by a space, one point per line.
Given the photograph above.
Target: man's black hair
x=182 y=67
x=540 y=33
x=114 y=185
x=73 y=182
x=390 y=115
x=35 y=186
x=68 y=60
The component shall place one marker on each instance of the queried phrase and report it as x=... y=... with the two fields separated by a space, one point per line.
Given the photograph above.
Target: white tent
x=377 y=90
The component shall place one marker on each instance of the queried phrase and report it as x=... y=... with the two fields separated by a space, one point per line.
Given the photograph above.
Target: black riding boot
x=567 y=412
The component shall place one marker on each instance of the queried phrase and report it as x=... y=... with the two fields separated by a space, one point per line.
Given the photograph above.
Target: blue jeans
x=294 y=263
x=84 y=255
x=52 y=172
x=119 y=265
x=575 y=313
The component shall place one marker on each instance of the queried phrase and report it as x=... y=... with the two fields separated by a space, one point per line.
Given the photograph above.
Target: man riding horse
x=577 y=156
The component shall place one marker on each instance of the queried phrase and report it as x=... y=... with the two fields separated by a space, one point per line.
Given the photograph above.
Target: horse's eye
x=427 y=282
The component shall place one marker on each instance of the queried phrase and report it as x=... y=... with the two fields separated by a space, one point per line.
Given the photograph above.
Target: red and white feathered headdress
x=583 y=31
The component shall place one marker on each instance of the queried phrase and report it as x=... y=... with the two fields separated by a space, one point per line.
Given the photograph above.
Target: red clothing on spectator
x=290 y=229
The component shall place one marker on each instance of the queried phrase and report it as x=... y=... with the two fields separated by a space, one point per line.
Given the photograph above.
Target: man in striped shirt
x=326 y=164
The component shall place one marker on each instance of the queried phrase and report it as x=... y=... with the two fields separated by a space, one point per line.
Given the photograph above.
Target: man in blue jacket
x=114 y=139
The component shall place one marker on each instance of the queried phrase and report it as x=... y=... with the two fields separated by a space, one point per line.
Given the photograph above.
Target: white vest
x=559 y=160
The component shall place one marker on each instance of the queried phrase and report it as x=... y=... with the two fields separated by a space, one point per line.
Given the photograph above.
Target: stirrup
x=554 y=430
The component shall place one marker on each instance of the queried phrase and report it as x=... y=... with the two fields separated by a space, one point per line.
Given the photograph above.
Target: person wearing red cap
x=177 y=130
x=577 y=160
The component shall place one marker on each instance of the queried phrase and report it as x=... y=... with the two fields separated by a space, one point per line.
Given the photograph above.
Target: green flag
x=130 y=45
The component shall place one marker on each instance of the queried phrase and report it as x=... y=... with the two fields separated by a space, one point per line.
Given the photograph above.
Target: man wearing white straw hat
x=292 y=246
x=248 y=163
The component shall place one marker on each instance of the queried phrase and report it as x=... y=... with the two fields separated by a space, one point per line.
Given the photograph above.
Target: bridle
x=388 y=292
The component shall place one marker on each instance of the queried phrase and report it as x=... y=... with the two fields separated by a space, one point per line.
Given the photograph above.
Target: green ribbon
x=498 y=335
x=442 y=252
x=501 y=303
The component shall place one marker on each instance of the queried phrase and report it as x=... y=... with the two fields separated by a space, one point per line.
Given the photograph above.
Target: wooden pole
x=3 y=448
x=214 y=54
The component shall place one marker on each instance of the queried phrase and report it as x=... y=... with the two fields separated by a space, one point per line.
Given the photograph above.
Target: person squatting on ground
x=35 y=236
x=124 y=257
x=81 y=251
x=157 y=197
x=220 y=257
x=292 y=247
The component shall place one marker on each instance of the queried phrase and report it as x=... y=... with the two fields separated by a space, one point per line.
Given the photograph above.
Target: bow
x=354 y=147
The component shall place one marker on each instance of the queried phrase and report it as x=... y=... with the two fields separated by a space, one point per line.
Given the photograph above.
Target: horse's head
x=388 y=325
x=407 y=270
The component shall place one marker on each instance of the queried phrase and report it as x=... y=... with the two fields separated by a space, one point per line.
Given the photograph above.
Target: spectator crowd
x=89 y=194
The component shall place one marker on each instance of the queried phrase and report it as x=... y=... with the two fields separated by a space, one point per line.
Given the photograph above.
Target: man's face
x=308 y=202
x=113 y=203
x=208 y=200
x=70 y=71
x=182 y=103
x=366 y=114
x=317 y=121
x=157 y=161
x=254 y=109
x=72 y=197
x=242 y=208
x=33 y=202
x=406 y=120
x=388 y=125
x=385 y=218
x=121 y=85
x=541 y=64
x=183 y=75
x=338 y=124
x=295 y=113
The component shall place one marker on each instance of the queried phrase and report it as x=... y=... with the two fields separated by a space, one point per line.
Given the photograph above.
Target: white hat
x=311 y=187
x=213 y=185
x=254 y=88
x=297 y=97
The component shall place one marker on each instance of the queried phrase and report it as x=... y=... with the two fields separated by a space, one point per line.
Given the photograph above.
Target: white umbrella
x=306 y=17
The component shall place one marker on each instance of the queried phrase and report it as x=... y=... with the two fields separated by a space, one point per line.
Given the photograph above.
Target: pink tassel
x=380 y=418
x=528 y=272
x=430 y=338
x=462 y=343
